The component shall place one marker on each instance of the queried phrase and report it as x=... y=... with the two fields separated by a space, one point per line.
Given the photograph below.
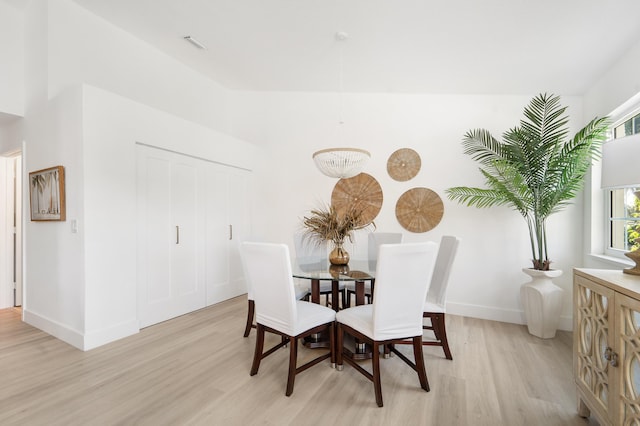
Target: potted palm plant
x=536 y=170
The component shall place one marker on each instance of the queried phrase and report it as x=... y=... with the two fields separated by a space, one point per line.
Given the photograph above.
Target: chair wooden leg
x=293 y=356
x=422 y=372
x=250 y=311
x=440 y=331
x=443 y=336
x=339 y=347
x=375 y=361
x=332 y=344
x=257 y=356
x=387 y=350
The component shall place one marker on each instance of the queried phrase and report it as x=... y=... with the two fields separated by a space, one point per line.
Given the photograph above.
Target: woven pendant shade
x=341 y=162
x=361 y=192
x=419 y=210
x=404 y=164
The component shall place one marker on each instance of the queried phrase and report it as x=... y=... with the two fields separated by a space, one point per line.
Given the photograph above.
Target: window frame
x=632 y=117
x=609 y=219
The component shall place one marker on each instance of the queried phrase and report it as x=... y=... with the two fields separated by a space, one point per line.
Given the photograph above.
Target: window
x=630 y=126
x=623 y=202
x=624 y=220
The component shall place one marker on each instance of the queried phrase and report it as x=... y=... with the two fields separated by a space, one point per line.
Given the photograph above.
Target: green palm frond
x=482 y=147
x=535 y=169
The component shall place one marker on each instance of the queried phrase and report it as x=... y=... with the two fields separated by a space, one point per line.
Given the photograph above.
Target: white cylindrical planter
x=542 y=301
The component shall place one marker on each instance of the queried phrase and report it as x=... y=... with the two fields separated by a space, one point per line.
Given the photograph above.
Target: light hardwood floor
x=194 y=370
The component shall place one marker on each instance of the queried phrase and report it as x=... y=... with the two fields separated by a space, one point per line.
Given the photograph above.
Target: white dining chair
x=278 y=311
x=435 y=303
x=375 y=239
x=301 y=293
x=313 y=253
x=403 y=274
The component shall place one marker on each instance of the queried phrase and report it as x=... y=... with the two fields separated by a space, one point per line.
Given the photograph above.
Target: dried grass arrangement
x=327 y=224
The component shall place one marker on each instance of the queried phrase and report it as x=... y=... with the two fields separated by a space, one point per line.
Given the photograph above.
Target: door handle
x=177 y=234
x=611 y=356
x=231 y=232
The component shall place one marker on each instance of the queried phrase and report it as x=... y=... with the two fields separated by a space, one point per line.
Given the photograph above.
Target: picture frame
x=47 y=195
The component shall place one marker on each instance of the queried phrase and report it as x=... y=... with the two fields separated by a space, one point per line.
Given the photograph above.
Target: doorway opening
x=11 y=233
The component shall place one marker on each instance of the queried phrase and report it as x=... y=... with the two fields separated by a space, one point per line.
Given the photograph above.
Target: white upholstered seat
x=268 y=267
x=403 y=275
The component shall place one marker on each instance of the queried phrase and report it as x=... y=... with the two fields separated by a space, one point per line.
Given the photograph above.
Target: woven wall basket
x=404 y=164
x=419 y=210
x=362 y=192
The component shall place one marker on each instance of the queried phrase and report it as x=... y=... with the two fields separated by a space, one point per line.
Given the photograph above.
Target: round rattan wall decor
x=419 y=210
x=362 y=192
x=404 y=164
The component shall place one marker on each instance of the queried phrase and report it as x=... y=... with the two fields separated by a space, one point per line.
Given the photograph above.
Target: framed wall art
x=46 y=194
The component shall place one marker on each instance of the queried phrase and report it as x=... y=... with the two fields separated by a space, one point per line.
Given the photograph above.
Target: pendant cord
x=341 y=37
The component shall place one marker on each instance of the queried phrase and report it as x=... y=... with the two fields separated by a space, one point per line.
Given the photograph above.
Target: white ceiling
x=452 y=46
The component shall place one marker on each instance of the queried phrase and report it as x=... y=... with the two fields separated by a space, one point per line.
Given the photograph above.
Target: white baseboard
x=512 y=316
x=97 y=338
x=76 y=338
x=54 y=328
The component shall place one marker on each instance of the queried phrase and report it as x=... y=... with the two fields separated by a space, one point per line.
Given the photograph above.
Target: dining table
x=317 y=270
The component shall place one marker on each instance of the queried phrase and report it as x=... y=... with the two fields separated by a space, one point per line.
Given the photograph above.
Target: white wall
x=12 y=54
x=81 y=286
x=84 y=48
x=112 y=125
x=11 y=136
x=616 y=86
x=495 y=245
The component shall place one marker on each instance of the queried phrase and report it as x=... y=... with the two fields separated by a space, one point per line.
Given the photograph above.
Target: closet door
x=170 y=240
x=240 y=213
x=228 y=223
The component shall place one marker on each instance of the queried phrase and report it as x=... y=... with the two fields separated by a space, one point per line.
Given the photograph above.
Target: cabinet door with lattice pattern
x=627 y=403
x=593 y=329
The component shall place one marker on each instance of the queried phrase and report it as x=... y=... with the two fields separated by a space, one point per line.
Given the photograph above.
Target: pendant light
x=341 y=162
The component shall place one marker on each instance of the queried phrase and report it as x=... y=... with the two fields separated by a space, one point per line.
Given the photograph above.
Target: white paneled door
x=192 y=216
x=171 y=277
x=228 y=223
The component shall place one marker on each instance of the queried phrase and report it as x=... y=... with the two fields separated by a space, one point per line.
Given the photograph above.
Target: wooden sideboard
x=606 y=345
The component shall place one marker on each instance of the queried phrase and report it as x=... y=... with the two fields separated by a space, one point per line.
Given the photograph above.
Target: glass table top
x=321 y=269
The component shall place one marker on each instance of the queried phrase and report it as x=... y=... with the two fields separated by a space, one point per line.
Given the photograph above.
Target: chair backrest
x=403 y=275
x=268 y=268
x=378 y=238
x=446 y=254
x=252 y=238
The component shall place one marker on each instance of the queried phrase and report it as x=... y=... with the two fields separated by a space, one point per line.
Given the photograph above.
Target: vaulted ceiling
x=453 y=46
